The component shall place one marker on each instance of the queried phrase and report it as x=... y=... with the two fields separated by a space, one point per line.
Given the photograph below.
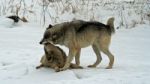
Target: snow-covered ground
x=20 y=53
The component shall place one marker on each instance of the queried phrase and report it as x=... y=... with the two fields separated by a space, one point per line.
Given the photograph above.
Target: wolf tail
x=110 y=23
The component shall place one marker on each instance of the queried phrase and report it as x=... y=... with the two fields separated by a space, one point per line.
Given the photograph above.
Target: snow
x=5 y=22
x=20 y=53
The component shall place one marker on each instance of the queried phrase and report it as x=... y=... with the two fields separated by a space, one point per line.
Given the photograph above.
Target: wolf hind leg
x=98 y=55
x=110 y=56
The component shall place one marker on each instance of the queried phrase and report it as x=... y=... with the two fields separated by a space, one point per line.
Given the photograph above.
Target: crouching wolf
x=55 y=58
x=79 y=34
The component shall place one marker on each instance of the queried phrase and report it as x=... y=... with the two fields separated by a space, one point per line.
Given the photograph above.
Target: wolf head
x=53 y=34
x=48 y=51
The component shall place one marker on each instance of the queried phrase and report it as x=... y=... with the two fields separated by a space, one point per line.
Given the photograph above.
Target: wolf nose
x=40 y=42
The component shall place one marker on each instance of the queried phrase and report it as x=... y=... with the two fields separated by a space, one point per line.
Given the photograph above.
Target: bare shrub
x=53 y=10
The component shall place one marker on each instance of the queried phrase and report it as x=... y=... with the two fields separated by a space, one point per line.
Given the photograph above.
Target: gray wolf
x=80 y=34
x=55 y=58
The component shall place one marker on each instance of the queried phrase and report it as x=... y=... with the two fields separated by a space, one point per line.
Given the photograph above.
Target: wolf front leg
x=77 y=56
x=72 y=45
x=41 y=65
x=72 y=53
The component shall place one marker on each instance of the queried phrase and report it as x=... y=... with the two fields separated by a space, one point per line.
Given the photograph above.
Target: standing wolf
x=79 y=34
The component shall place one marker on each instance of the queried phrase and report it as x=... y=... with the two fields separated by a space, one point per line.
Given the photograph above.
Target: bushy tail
x=110 y=23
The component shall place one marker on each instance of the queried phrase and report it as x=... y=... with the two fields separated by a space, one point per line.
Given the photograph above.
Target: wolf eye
x=46 y=36
x=54 y=36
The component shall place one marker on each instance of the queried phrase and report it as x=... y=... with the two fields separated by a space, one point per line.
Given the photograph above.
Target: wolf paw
x=108 y=67
x=59 y=69
x=92 y=66
x=38 y=67
x=80 y=67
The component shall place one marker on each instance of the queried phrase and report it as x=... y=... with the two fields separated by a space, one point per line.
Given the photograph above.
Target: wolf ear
x=50 y=26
